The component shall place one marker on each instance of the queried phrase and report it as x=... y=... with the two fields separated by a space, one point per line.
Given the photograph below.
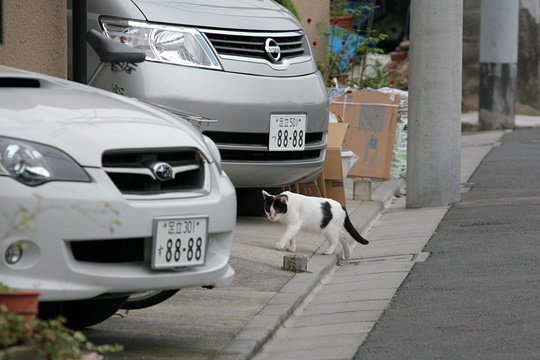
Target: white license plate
x=179 y=242
x=287 y=132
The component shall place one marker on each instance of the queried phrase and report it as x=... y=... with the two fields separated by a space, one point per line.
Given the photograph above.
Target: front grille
x=229 y=138
x=130 y=170
x=260 y=156
x=108 y=251
x=252 y=45
x=261 y=139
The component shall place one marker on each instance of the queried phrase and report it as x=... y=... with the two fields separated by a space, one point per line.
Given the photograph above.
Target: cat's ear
x=266 y=195
x=283 y=199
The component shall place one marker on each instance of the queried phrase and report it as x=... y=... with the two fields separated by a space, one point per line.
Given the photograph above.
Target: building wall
x=35 y=36
x=315 y=18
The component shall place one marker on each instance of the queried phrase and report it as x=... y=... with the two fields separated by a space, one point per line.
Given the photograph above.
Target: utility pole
x=434 y=131
x=499 y=26
x=79 y=17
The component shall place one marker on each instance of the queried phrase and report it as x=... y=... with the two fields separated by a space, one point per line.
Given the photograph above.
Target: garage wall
x=34 y=36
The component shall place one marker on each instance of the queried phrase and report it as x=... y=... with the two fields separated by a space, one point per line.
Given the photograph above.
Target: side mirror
x=110 y=51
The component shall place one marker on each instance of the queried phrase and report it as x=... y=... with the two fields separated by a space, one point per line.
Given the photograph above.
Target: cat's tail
x=352 y=230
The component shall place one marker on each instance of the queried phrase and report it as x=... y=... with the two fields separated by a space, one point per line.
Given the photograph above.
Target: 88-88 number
x=193 y=250
x=294 y=138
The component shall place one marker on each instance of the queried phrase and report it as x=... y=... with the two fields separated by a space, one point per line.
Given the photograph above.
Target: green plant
x=350 y=63
x=338 y=8
x=50 y=337
x=24 y=219
x=4 y=288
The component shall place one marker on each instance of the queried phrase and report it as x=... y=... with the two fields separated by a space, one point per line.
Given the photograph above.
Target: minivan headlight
x=34 y=164
x=163 y=43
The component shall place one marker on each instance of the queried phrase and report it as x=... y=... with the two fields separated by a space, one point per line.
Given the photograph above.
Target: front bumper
x=242 y=104
x=61 y=213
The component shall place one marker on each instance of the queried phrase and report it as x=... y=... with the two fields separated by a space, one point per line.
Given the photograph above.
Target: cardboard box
x=309 y=189
x=332 y=163
x=336 y=190
x=329 y=184
x=332 y=173
x=372 y=117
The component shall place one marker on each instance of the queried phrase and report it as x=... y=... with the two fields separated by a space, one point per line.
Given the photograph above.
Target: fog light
x=13 y=253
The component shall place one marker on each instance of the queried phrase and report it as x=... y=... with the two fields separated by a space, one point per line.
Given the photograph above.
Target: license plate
x=287 y=132
x=179 y=242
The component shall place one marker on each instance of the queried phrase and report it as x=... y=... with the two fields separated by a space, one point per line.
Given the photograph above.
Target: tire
x=146 y=299
x=82 y=313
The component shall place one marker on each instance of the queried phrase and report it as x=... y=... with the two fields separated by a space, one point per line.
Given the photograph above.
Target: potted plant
x=22 y=302
x=23 y=336
x=340 y=15
x=44 y=340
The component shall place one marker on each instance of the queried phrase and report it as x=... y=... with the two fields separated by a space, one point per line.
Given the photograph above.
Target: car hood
x=84 y=122
x=231 y=14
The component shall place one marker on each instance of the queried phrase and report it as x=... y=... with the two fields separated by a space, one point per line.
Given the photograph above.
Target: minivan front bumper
x=242 y=105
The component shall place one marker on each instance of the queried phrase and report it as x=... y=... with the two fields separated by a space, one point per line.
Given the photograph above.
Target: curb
x=281 y=306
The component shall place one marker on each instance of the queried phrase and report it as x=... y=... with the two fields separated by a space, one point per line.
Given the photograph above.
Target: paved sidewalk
x=338 y=316
x=344 y=302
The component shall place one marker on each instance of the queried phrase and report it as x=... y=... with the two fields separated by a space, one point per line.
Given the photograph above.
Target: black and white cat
x=311 y=214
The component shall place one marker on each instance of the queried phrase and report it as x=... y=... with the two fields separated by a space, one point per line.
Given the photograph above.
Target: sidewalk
x=321 y=301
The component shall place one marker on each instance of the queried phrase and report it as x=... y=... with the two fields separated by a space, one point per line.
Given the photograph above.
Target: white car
x=102 y=196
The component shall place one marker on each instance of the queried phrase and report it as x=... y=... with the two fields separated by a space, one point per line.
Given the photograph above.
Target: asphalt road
x=478 y=294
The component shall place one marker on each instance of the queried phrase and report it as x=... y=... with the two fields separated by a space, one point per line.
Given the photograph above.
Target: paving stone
x=311 y=319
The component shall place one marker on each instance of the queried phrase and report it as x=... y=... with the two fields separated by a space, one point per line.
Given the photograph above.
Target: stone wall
x=35 y=36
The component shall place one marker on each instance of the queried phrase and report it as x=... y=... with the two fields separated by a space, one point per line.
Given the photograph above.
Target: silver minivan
x=245 y=63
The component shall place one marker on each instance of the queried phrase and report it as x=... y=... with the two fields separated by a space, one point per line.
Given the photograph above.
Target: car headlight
x=163 y=43
x=215 y=152
x=34 y=164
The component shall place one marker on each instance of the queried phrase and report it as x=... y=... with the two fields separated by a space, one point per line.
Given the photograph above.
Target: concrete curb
x=280 y=307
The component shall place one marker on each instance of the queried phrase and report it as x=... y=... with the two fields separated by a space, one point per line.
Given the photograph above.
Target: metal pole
x=434 y=132
x=499 y=26
x=79 y=17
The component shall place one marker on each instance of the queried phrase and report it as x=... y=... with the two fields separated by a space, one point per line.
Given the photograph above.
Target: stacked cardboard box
x=372 y=116
x=330 y=181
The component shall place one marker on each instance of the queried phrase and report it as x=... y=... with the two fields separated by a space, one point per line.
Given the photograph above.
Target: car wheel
x=82 y=313
x=146 y=299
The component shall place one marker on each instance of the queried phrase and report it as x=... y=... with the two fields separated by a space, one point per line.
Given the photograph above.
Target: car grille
x=108 y=251
x=130 y=170
x=252 y=45
x=259 y=140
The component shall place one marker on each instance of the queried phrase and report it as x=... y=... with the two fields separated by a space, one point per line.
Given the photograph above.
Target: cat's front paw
x=291 y=248
x=279 y=246
x=330 y=250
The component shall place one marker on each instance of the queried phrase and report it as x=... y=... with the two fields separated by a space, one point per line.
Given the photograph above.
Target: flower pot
x=22 y=302
x=345 y=21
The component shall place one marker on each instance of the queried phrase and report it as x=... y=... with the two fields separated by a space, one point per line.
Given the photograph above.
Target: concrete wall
x=528 y=80
x=35 y=36
x=315 y=18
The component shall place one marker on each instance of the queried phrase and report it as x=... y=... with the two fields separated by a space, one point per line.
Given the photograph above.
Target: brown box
x=335 y=190
x=309 y=189
x=332 y=173
x=372 y=117
x=329 y=184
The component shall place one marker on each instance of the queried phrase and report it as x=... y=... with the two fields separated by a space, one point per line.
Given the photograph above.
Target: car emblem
x=162 y=171
x=272 y=50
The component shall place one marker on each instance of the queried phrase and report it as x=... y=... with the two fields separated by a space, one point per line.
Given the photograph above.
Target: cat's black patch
x=326 y=214
x=280 y=204
x=268 y=201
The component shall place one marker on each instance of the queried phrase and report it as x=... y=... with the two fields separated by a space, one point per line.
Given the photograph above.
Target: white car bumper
x=56 y=215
